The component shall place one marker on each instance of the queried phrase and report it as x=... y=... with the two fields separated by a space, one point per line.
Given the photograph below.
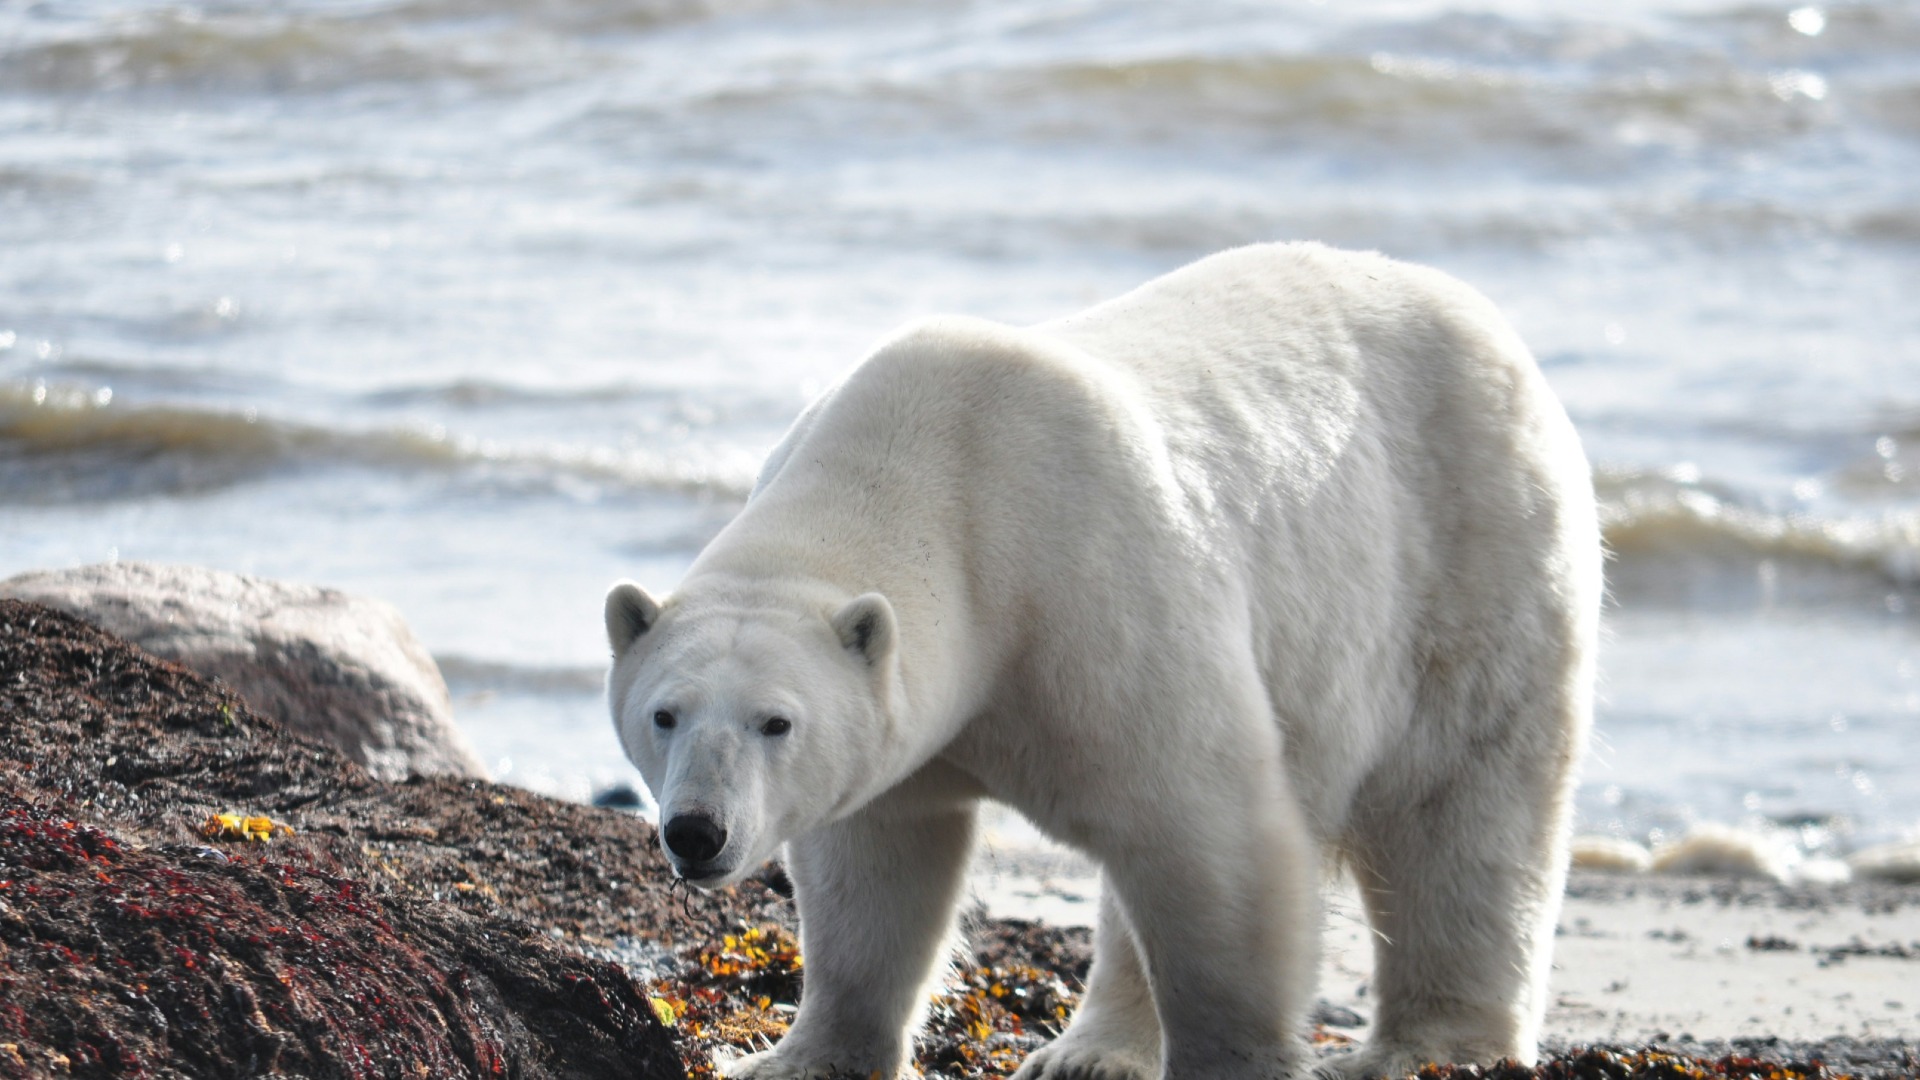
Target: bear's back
x=1262 y=379
x=1310 y=331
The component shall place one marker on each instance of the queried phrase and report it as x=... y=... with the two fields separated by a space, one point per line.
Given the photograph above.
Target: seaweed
x=737 y=994
x=135 y=944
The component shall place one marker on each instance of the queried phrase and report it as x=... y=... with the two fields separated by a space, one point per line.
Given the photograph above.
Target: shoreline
x=505 y=906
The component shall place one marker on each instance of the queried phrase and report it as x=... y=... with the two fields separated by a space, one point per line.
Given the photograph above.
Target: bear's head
x=752 y=719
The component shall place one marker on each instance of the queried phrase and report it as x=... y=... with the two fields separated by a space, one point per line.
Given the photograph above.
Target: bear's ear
x=865 y=627
x=630 y=613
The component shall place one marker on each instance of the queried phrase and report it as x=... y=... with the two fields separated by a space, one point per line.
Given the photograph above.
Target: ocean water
x=477 y=305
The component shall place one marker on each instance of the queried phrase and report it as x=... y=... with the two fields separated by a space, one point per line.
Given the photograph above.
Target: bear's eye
x=778 y=725
x=664 y=720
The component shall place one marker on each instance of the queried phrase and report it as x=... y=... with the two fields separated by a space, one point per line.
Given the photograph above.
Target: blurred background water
x=476 y=305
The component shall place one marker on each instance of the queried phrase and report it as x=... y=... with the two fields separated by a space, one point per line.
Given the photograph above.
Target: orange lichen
x=737 y=994
x=237 y=827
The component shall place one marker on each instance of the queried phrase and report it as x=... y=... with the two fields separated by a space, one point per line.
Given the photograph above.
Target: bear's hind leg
x=1462 y=886
x=877 y=893
x=1114 y=1035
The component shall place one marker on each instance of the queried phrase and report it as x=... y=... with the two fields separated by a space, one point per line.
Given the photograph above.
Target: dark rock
x=1328 y=1014
x=619 y=797
x=775 y=877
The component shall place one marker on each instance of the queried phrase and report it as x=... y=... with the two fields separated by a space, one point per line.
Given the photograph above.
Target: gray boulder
x=342 y=669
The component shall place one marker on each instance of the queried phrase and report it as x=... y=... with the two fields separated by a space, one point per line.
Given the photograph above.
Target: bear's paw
x=1372 y=1063
x=1071 y=1059
x=773 y=1065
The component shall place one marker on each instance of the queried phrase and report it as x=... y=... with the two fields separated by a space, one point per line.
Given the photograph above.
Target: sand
x=1639 y=959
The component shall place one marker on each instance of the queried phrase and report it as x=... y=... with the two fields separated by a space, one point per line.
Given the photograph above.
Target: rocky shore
x=436 y=927
x=133 y=944
x=335 y=924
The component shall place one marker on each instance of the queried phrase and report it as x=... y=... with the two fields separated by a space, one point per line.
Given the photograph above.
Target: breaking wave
x=1436 y=82
x=64 y=445
x=1650 y=514
x=171 y=50
x=299 y=47
x=488 y=393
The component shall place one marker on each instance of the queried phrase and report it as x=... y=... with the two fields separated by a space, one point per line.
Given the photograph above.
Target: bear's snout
x=694 y=838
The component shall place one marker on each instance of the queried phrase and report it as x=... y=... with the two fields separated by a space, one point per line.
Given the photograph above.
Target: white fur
x=1287 y=554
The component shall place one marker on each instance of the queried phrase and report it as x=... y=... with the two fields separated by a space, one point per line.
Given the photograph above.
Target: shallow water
x=478 y=305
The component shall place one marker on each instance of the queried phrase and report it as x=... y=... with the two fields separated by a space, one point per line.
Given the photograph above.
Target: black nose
x=695 y=838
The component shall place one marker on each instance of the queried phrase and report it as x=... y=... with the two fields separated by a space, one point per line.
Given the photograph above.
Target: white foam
x=1642 y=511
x=1610 y=854
x=1724 y=851
x=1898 y=863
x=1823 y=872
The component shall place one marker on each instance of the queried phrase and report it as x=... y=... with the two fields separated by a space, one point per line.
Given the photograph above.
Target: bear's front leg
x=877 y=894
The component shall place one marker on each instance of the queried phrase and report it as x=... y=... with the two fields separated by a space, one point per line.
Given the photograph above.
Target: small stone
x=1327 y=1014
x=619 y=797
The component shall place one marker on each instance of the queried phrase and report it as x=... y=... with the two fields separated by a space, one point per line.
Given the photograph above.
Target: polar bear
x=1287 y=557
